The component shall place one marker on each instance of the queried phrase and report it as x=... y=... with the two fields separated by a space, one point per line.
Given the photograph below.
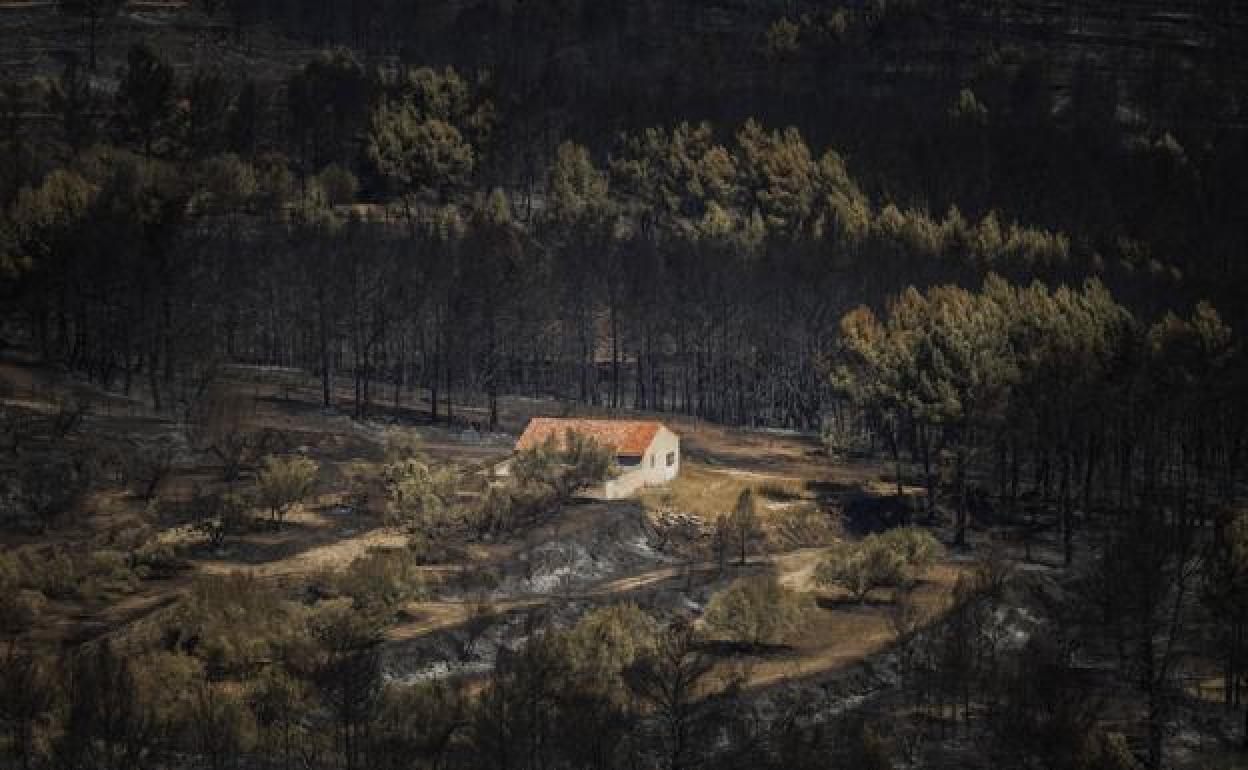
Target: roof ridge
x=628 y=437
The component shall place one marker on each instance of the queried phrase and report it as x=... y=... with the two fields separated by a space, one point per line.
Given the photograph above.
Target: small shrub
x=610 y=638
x=60 y=574
x=756 y=611
x=861 y=567
x=157 y=560
x=879 y=561
x=232 y=623
x=565 y=467
x=381 y=581
x=285 y=482
x=499 y=511
x=420 y=494
x=338 y=183
x=916 y=547
x=218 y=516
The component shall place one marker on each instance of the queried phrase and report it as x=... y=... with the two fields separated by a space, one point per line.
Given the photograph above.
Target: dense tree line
x=1064 y=115
x=688 y=269
x=1101 y=410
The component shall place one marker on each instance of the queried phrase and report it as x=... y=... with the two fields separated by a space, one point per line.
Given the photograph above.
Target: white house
x=647 y=453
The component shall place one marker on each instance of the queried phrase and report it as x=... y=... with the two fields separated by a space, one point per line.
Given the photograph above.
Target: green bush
x=495 y=513
x=564 y=467
x=381 y=581
x=218 y=516
x=232 y=623
x=878 y=561
x=61 y=574
x=284 y=482
x=756 y=610
x=917 y=548
x=861 y=567
x=421 y=495
x=606 y=641
x=156 y=559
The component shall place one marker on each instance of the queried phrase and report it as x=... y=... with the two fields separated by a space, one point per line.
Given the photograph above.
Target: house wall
x=653 y=469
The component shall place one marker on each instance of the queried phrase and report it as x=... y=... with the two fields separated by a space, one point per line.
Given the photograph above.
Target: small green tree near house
x=536 y=465
x=566 y=469
x=756 y=611
x=587 y=462
x=420 y=494
x=284 y=482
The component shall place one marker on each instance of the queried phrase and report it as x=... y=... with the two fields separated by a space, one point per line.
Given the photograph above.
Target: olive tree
x=565 y=467
x=893 y=559
x=284 y=482
x=756 y=611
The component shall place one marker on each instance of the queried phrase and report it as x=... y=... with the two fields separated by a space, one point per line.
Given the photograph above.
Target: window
x=651 y=461
x=671 y=459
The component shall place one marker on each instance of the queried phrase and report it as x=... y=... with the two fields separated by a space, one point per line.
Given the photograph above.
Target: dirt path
x=794 y=568
x=330 y=556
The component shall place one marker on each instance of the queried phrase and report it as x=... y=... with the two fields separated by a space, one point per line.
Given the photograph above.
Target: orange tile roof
x=630 y=438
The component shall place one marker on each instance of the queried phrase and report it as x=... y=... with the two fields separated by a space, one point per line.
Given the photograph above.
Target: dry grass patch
x=709 y=493
x=845 y=634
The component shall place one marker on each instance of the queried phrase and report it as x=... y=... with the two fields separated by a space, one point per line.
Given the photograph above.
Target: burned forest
x=672 y=384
